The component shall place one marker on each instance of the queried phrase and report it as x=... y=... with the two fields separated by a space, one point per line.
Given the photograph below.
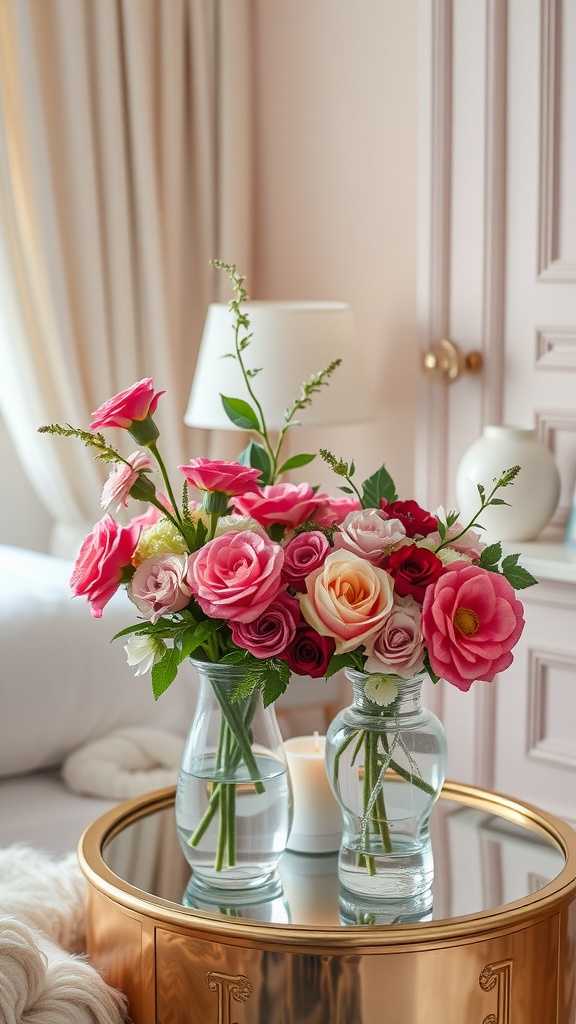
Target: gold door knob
x=447 y=359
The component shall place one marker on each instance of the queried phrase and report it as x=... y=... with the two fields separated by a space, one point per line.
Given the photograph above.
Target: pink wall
x=335 y=189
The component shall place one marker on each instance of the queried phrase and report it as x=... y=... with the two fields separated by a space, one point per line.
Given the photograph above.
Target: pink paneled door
x=497 y=247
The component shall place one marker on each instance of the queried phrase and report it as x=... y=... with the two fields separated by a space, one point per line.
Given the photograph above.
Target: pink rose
x=348 y=599
x=286 y=504
x=159 y=586
x=135 y=403
x=333 y=511
x=236 y=576
x=269 y=635
x=121 y=481
x=304 y=553
x=219 y=475
x=471 y=619
x=97 y=571
x=399 y=647
x=369 y=535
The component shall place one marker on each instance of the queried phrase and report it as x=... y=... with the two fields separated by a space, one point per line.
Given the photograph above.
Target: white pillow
x=62 y=683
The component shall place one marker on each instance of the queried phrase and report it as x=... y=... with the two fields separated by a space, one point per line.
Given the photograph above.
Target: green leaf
x=257 y=457
x=337 y=663
x=295 y=461
x=433 y=676
x=347 y=490
x=491 y=555
x=441 y=530
x=518 y=576
x=379 y=485
x=509 y=562
x=499 y=501
x=236 y=657
x=240 y=413
x=194 y=637
x=165 y=671
x=275 y=681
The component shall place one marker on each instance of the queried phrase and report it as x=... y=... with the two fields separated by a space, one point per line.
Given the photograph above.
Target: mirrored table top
x=483 y=860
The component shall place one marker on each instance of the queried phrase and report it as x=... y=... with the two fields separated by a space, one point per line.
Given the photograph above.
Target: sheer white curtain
x=124 y=166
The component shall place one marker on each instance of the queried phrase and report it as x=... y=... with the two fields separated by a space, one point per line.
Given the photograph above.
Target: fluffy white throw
x=125 y=764
x=41 y=924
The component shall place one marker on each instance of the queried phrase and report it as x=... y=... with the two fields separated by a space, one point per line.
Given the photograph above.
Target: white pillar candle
x=317 y=825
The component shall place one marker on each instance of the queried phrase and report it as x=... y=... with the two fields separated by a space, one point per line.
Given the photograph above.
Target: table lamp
x=291 y=340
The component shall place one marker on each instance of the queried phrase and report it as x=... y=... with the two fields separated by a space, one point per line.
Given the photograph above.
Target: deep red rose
x=309 y=653
x=413 y=569
x=415 y=520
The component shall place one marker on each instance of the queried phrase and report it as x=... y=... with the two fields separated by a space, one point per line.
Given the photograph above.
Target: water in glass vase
x=233 y=800
x=261 y=821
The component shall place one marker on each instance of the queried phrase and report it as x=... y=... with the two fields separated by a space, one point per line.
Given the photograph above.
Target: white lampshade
x=291 y=340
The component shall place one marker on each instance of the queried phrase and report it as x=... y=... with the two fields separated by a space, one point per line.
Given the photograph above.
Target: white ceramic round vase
x=533 y=496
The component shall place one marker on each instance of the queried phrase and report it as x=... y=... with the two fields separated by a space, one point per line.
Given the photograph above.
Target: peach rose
x=348 y=599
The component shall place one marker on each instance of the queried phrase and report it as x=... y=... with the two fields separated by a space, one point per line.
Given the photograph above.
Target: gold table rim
x=505 y=917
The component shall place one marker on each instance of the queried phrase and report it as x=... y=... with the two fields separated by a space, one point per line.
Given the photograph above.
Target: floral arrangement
x=281 y=577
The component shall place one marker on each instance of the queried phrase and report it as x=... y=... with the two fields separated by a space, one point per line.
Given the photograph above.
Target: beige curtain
x=124 y=166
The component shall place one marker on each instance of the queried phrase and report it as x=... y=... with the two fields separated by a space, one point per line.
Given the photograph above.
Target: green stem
x=165 y=512
x=166 y=480
x=368 y=859
x=380 y=805
x=238 y=728
x=214 y=517
x=222 y=831
x=414 y=779
x=264 y=431
x=340 y=751
x=473 y=521
x=357 y=749
x=231 y=825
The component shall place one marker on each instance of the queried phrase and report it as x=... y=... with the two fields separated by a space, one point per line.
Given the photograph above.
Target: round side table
x=495 y=943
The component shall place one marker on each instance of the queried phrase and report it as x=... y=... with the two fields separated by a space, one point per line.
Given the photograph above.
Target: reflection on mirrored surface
x=481 y=861
x=361 y=910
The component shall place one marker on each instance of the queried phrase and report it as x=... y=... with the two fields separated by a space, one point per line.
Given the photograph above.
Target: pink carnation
x=117 y=488
x=135 y=403
x=97 y=571
x=333 y=511
x=285 y=504
x=158 y=587
x=471 y=619
x=304 y=553
x=270 y=634
x=219 y=475
x=236 y=576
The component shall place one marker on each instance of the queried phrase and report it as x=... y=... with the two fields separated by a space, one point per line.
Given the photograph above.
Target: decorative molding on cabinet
x=498 y=976
x=538 y=746
x=556 y=348
x=494 y=267
x=551 y=267
x=548 y=423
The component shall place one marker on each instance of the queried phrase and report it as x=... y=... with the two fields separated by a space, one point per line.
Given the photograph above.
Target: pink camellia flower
x=471 y=619
x=369 y=534
x=302 y=555
x=219 y=475
x=399 y=646
x=333 y=511
x=270 y=634
x=159 y=585
x=135 y=403
x=97 y=571
x=117 y=488
x=285 y=504
x=236 y=576
x=348 y=599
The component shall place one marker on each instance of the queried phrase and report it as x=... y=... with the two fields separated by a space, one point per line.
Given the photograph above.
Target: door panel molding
x=551 y=267
x=539 y=746
x=555 y=348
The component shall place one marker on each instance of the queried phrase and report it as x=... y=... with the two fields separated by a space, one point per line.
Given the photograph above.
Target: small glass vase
x=387 y=766
x=233 y=799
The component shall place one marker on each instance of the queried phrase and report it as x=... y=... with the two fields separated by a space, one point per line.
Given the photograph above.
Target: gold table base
x=511 y=965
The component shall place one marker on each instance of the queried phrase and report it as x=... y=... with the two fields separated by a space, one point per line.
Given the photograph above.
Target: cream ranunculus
x=348 y=599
